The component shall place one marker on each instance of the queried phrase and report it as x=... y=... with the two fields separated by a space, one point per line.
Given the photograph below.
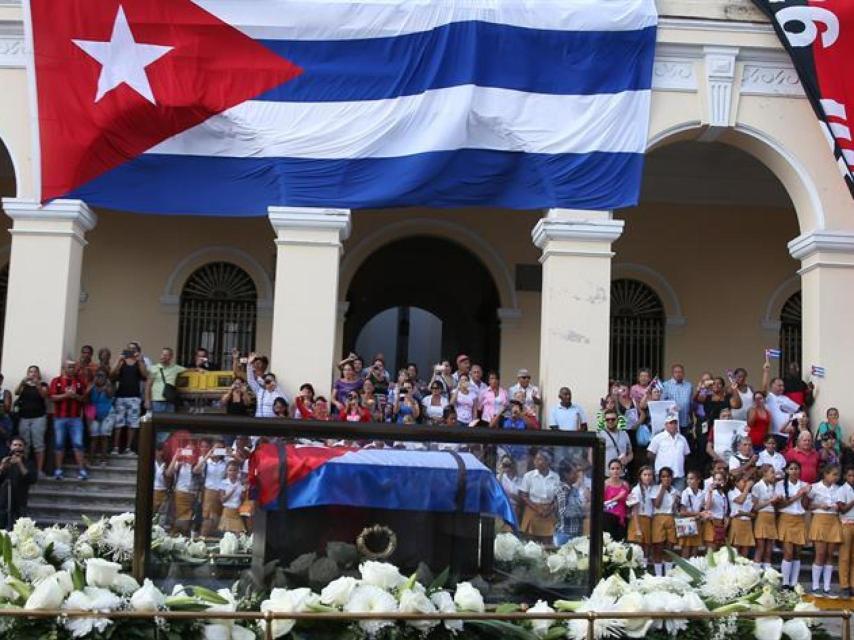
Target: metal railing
x=590 y=617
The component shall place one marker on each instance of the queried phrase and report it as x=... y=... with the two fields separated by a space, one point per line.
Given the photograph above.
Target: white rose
x=124 y=584
x=541 y=627
x=532 y=551
x=467 y=598
x=557 y=563
x=619 y=555
x=48 y=594
x=24 y=529
x=417 y=602
x=95 y=531
x=228 y=545
x=285 y=601
x=29 y=550
x=583 y=563
x=338 y=592
x=147 y=597
x=369 y=598
x=445 y=604
x=507 y=546
x=768 y=629
x=57 y=535
x=84 y=550
x=381 y=574
x=101 y=573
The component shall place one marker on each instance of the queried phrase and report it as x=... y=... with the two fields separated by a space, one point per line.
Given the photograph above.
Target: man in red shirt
x=67 y=391
x=805 y=454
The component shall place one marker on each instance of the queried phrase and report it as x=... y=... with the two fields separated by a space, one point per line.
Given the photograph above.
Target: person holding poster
x=722 y=436
x=719 y=398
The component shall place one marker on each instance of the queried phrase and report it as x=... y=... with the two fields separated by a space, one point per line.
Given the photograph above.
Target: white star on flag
x=123 y=60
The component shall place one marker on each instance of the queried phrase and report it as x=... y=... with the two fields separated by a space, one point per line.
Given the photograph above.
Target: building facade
x=743 y=240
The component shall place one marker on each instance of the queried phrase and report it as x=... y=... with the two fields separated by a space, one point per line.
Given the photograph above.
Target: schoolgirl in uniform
x=665 y=501
x=740 y=533
x=691 y=505
x=845 y=505
x=640 y=500
x=765 y=527
x=718 y=510
x=791 y=528
x=825 y=530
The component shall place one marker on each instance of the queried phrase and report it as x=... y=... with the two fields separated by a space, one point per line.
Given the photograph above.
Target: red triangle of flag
x=85 y=131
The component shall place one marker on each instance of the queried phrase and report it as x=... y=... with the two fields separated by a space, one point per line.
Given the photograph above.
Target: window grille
x=637 y=329
x=790 y=331
x=218 y=312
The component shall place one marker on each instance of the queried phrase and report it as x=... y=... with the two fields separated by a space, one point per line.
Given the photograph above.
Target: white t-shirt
x=781 y=409
x=796 y=508
x=184 y=477
x=735 y=462
x=823 y=498
x=845 y=494
x=214 y=473
x=693 y=502
x=746 y=405
x=762 y=491
x=670 y=451
x=159 y=479
x=777 y=461
x=541 y=489
x=721 y=508
x=233 y=501
x=741 y=511
x=434 y=412
x=642 y=498
x=667 y=502
x=465 y=405
x=511 y=487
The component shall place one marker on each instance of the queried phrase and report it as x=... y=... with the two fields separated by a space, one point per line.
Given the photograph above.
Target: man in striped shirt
x=679 y=391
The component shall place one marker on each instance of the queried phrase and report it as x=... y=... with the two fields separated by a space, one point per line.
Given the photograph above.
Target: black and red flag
x=819 y=35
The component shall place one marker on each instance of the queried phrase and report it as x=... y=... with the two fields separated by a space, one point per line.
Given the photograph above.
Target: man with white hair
x=668 y=448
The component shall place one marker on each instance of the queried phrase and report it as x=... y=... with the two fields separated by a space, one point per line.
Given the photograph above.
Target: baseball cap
x=523 y=373
x=462 y=357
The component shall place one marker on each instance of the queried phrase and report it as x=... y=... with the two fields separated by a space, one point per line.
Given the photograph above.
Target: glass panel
x=505 y=513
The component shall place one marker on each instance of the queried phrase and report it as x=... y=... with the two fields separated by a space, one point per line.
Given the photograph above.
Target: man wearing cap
x=532 y=393
x=567 y=416
x=668 y=448
x=463 y=368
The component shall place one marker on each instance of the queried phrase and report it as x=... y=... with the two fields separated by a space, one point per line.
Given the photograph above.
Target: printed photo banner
x=819 y=36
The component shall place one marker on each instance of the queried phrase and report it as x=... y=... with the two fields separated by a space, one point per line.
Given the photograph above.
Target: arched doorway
x=637 y=329
x=218 y=311
x=403 y=334
x=421 y=275
x=790 y=331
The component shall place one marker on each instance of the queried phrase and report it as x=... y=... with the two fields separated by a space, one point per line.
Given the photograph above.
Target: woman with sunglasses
x=434 y=404
x=349 y=381
x=266 y=391
x=353 y=410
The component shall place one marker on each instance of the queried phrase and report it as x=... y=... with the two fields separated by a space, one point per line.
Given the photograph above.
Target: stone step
x=72 y=511
x=90 y=499
x=95 y=484
x=109 y=472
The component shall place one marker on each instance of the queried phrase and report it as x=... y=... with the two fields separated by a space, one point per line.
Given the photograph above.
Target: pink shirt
x=618 y=509
x=492 y=403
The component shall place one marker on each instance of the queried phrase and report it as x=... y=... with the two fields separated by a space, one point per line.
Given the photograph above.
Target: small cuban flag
x=773 y=353
x=817 y=371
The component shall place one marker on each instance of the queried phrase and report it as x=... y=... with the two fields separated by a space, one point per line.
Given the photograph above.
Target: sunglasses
x=610 y=419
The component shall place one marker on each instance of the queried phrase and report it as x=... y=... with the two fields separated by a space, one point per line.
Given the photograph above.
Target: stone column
x=305 y=304
x=43 y=297
x=574 y=327
x=827 y=283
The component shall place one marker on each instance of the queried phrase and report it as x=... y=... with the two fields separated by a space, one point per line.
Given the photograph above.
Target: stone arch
x=171 y=296
x=658 y=283
x=446 y=230
x=776 y=301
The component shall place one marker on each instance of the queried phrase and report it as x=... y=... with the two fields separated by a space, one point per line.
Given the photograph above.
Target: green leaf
x=507 y=607
x=406 y=586
x=555 y=633
x=695 y=574
x=78 y=578
x=504 y=630
x=566 y=605
x=440 y=580
x=211 y=596
x=21 y=588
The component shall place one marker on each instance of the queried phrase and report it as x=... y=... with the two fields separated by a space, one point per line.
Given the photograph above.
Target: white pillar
x=43 y=297
x=305 y=304
x=576 y=298
x=827 y=283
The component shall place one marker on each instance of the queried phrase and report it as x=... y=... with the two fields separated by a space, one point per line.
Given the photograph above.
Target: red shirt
x=810 y=463
x=363 y=415
x=66 y=408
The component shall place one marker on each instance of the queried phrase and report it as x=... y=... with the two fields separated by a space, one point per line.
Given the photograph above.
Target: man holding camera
x=17 y=474
x=129 y=374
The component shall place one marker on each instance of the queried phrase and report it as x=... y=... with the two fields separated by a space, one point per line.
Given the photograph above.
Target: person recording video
x=17 y=475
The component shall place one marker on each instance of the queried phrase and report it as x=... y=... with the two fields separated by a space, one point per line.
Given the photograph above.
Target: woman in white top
x=161 y=485
x=640 y=502
x=825 y=531
x=741 y=524
x=770 y=455
x=691 y=505
x=765 y=527
x=538 y=492
x=180 y=472
x=433 y=406
x=211 y=466
x=790 y=525
x=739 y=376
x=845 y=505
x=231 y=494
x=718 y=509
x=464 y=400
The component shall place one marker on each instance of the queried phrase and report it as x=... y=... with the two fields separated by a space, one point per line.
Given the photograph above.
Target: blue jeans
x=159 y=406
x=561 y=539
x=71 y=427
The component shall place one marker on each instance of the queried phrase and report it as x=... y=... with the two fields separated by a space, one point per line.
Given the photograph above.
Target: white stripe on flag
x=349 y=20
x=462 y=117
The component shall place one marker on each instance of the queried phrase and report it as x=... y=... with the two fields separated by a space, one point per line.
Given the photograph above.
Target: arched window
x=218 y=310
x=790 y=331
x=637 y=329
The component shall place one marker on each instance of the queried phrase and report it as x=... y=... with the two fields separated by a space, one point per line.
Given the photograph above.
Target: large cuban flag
x=225 y=107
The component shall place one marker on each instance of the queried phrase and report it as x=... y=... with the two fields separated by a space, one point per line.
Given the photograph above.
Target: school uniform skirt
x=644 y=523
x=765 y=527
x=231 y=521
x=695 y=540
x=741 y=533
x=184 y=505
x=663 y=529
x=825 y=527
x=159 y=499
x=536 y=525
x=709 y=531
x=211 y=505
x=792 y=529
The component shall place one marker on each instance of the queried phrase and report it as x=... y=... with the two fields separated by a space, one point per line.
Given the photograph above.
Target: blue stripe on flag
x=468 y=177
x=479 y=53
